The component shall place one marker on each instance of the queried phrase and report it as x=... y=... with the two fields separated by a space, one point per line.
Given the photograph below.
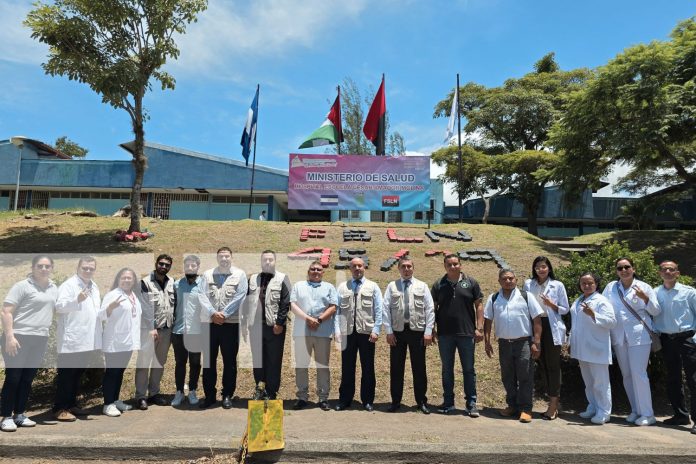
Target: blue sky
x=298 y=51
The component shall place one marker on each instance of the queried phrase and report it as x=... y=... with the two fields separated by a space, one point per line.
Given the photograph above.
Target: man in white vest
x=226 y=290
x=159 y=298
x=358 y=321
x=264 y=317
x=409 y=317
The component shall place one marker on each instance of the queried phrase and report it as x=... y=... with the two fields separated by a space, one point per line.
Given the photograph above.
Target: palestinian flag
x=375 y=124
x=330 y=132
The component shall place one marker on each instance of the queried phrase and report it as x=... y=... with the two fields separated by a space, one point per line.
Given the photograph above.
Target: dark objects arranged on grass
x=358 y=235
x=347 y=254
x=388 y=263
x=461 y=236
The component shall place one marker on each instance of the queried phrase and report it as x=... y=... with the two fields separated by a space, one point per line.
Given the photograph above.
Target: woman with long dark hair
x=553 y=299
x=27 y=313
x=120 y=311
x=634 y=302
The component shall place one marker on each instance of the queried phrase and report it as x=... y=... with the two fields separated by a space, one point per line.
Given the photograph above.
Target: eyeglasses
x=316 y=269
x=44 y=266
x=88 y=269
x=668 y=269
x=164 y=264
x=623 y=268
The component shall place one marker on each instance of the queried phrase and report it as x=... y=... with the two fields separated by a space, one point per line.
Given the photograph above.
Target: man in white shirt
x=78 y=334
x=676 y=325
x=518 y=329
x=409 y=317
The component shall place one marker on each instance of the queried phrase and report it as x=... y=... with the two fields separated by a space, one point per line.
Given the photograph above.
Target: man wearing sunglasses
x=78 y=335
x=159 y=301
x=676 y=325
x=314 y=303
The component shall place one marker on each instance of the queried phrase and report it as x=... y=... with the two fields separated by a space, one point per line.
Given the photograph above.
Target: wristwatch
x=319 y=319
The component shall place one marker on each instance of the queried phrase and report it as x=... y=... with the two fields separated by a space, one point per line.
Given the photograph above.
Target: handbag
x=654 y=337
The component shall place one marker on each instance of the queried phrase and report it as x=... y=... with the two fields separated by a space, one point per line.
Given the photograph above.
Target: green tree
x=639 y=109
x=354 y=107
x=118 y=48
x=70 y=148
x=477 y=173
x=515 y=119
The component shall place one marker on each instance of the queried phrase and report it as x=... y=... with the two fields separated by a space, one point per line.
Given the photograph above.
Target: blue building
x=178 y=184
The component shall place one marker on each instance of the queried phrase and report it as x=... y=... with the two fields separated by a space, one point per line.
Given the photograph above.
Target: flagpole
x=253 y=164
x=459 y=139
x=384 y=132
x=340 y=132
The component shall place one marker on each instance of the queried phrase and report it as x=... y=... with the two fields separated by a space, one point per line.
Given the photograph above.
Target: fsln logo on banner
x=390 y=200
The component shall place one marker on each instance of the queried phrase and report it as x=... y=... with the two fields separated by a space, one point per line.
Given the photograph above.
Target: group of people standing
x=205 y=314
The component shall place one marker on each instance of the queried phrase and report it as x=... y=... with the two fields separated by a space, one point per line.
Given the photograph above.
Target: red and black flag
x=375 y=124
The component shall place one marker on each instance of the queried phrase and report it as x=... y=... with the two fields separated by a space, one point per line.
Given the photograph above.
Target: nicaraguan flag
x=249 y=134
x=329 y=200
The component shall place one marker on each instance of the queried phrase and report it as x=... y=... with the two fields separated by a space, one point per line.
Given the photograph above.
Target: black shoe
x=394 y=407
x=206 y=403
x=158 y=400
x=368 y=407
x=299 y=404
x=424 y=408
x=444 y=409
x=227 y=402
x=693 y=429
x=342 y=406
x=474 y=412
x=142 y=404
x=677 y=420
x=324 y=405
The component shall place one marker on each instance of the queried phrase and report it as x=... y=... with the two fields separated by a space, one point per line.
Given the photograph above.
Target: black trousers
x=550 y=360
x=357 y=343
x=116 y=364
x=20 y=371
x=678 y=354
x=224 y=338
x=187 y=348
x=271 y=361
x=71 y=366
x=411 y=341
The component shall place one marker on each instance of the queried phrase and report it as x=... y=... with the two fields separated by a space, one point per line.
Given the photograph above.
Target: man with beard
x=159 y=301
x=226 y=289
x=264 y=316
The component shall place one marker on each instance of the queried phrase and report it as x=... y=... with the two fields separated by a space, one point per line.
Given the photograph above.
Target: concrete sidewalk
x=162 y=433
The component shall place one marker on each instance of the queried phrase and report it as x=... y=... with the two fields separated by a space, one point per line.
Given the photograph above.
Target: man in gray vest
x=226 y=290
x=409 y=317
x=159 y=298
x=358 y=320
x=264 y=316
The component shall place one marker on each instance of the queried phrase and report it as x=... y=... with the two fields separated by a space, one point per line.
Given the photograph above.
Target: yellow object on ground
x=265 y=425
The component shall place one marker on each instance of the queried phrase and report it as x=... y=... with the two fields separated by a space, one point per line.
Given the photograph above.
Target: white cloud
x=228 y=31
x=16 y=44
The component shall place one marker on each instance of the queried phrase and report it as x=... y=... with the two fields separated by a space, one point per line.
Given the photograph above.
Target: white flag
x=452 y=118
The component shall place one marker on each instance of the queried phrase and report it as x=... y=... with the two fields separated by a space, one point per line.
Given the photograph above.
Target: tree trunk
x=139 y=164
x=532 y=227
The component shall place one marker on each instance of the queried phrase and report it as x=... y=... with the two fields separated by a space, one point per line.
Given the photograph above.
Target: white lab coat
x=628 y=329
x=122 y=328
x=590 y=339
x=556 y=291
x=78 y=326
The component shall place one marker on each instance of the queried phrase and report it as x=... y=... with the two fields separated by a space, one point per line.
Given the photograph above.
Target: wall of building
x=103 y=207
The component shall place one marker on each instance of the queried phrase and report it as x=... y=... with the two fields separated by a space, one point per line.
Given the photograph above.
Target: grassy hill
x=81 y=235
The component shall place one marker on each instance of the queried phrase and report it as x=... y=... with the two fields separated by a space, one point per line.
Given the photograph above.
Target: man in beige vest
x=358 y=321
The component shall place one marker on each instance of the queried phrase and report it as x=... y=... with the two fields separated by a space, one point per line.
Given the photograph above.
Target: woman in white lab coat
x=590 y=343
x=120 y=311
x=553 y=300
x=630 y=339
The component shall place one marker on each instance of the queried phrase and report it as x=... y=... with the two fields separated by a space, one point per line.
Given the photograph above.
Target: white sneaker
x=111 y=410
x=600 y=419
x=645 y=420
x=192 y=397
x=8 y=425
x=178 y=398
x=588 y=413
x=23 y=421
x=631 y=418
x=123 y=407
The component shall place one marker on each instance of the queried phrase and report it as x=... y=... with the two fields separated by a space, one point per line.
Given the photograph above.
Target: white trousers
x=597 y=387
x=633 y=361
